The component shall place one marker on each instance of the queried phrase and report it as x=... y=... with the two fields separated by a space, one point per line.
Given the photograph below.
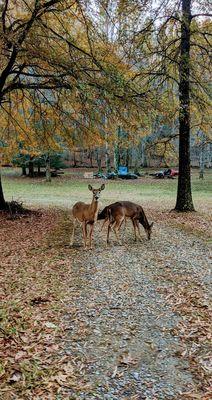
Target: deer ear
x=102 y=187
x=90 y=187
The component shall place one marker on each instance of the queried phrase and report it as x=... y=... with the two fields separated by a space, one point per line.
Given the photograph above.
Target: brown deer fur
x=117 y=213
x=87 y=215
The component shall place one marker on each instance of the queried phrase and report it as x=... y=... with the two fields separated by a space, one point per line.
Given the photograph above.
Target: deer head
x=96 y=192
x=149 y=230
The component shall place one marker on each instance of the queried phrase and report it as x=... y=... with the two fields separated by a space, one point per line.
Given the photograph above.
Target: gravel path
x=120 y=326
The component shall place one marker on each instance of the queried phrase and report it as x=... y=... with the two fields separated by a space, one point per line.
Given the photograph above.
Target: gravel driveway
x=121 y=324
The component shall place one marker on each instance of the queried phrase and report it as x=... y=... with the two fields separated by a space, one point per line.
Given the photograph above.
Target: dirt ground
x=116 y=323
x=123 y=297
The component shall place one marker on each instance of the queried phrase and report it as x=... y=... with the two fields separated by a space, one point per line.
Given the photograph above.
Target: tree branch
x=201 y=15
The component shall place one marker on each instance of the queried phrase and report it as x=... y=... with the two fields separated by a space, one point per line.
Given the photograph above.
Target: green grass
x=71 y=187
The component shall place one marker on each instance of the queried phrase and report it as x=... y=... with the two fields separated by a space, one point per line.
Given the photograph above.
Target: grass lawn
x=64 y=191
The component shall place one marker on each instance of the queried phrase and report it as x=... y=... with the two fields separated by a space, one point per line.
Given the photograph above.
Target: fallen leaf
x=16 y=377
x=127 y=359
x=114 y=372
x=20 y=355
x=50 y=325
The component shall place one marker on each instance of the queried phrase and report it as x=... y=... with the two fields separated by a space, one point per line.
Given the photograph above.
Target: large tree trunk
x=3 y=204
x=184 y=196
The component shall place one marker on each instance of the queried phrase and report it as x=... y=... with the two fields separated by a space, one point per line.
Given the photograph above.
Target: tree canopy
x=78 y=70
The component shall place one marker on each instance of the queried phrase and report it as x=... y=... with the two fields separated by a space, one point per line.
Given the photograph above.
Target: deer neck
x=144 y=220
x=94 y=208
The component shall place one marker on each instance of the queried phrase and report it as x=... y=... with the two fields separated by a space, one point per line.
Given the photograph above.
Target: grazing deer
x=87 y=214
x=117 y=213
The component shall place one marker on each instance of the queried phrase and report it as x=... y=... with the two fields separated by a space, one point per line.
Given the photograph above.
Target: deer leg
x=117 y=234
x=72 y=235
x=106 y=219
x=124 y=229
x=134 y=226
x=138 y=227
x=91 y=235
x=123 y=221
x=108 y=232
x=84 y=232
x=117 y=228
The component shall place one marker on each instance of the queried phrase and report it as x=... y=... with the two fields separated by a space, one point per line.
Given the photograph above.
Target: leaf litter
x=124 y=322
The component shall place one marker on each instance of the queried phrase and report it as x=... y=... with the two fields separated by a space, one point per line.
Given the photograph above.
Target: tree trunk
x=127 y=158
x=99 y=161
x=74 y=160
x=116 y=157
x=143 y=154
x=116 y=153
x=91 y=158
x=81 y=157
x=201 y=162
x=107 y=156
x=208 y=155
x=201 y=154
x=3 y=204
x=184 y=196
x=48 y=169
x=38 y=169
x=24 y=170
x=31 y=168
x=136 y=160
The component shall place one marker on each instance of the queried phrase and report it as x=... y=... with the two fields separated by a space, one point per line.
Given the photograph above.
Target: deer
x=117 y=213
x=87 y=215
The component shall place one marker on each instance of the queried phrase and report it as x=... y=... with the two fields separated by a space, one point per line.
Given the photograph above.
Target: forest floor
x=126 y=322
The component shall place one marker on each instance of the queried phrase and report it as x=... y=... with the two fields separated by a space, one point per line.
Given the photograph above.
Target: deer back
x=124 y=208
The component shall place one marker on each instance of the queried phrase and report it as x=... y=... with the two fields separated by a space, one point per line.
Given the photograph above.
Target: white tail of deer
x=87 y=215
x=118 y=212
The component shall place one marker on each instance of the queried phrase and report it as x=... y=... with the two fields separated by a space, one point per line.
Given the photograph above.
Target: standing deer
x=117 y=213
x=87 y=214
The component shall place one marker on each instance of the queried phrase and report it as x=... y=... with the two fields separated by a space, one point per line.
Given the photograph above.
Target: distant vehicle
x=169 y=173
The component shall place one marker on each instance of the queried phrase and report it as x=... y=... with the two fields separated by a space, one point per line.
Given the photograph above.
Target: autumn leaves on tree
x=76 y=71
